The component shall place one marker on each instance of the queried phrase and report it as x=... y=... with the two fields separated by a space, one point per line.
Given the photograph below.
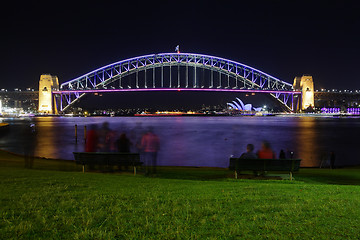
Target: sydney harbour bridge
x=170 y=72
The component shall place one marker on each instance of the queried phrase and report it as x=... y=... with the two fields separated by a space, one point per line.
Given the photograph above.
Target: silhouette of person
x=282 y=154
x=123 y=144
x=150 y=145
x=249 y=154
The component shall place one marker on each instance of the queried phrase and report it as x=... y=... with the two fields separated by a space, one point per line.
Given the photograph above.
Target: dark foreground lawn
x=183 y=203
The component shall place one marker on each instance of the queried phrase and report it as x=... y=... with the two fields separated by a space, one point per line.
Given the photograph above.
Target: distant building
x=240 y=106
x=47 y=84
x=25 y=100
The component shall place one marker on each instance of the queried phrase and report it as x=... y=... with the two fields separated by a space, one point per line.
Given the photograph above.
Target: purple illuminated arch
x=104 y=75
x=244 y=78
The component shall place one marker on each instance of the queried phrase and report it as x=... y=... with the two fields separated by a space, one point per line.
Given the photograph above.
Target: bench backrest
x=106 y=158
x=291 y=165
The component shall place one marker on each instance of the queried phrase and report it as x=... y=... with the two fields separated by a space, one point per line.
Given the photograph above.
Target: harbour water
x=199 y=141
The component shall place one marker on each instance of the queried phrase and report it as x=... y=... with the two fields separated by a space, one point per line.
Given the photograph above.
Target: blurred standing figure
x=92 y=139
x=265 y=152
x=123 y=144
x=29 y=143
x=111 y=141
x=103 y=132
x=135 y=136
x=150 y=145
x=106 y=138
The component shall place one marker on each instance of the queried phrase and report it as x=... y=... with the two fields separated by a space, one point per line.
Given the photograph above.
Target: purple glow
x=176 y=89
x=330 y=110
x=355 y=111
x=227 y=61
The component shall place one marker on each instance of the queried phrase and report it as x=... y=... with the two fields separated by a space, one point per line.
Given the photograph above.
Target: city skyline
x=280 y=38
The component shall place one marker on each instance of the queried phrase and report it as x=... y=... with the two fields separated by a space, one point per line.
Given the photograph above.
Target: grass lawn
x=57 y=201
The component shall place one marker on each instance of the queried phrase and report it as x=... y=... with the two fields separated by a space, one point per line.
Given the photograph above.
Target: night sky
x=282 y=38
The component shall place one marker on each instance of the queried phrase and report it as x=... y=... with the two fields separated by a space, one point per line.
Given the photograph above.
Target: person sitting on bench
x=249 y=154
x=265 y=152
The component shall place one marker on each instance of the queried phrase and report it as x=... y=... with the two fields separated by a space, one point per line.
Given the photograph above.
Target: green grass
x=180 y=203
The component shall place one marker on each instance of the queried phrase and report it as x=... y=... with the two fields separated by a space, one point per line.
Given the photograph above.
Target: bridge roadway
x=337 y=99
x=175 y=89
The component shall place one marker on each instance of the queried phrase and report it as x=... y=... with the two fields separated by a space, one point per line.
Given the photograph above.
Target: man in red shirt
x=150 y=145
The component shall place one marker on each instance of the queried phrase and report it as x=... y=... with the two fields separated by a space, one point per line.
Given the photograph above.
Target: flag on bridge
x=177 y=49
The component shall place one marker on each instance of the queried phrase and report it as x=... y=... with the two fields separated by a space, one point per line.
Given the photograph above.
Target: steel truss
x=243 y=77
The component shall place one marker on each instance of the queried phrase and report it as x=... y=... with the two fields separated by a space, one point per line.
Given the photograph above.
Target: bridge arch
x=239 y=77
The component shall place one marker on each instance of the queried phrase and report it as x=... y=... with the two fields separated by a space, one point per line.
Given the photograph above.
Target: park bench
x=264 y=165
x=108 y=159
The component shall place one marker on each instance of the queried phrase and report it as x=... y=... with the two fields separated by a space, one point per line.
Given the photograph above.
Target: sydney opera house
x=240 y=106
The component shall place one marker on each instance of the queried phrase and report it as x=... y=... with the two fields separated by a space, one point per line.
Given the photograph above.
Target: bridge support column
x=228 y=82
x=178 y=76
x=187 y=76
x=162 y=76
x=47 y=84
x=212 y=78
x=145 y=79
x=61 y=102
x=195 y=81
x=154 y=77
x=170 y=76
x=305 y=84
x=220 y=83
x=202 y=83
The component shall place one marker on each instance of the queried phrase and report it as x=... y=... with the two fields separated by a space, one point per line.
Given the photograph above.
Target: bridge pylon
x=47 y=85
x=305 y=84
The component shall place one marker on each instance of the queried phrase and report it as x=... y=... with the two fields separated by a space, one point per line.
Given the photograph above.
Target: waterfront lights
x=330 y=110
x=355 y=111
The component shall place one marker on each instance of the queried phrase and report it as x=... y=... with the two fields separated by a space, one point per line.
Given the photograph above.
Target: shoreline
x=45 y=159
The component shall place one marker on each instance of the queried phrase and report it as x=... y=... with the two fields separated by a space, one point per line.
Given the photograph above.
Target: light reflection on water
x=306 y=136
x=201 y=141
